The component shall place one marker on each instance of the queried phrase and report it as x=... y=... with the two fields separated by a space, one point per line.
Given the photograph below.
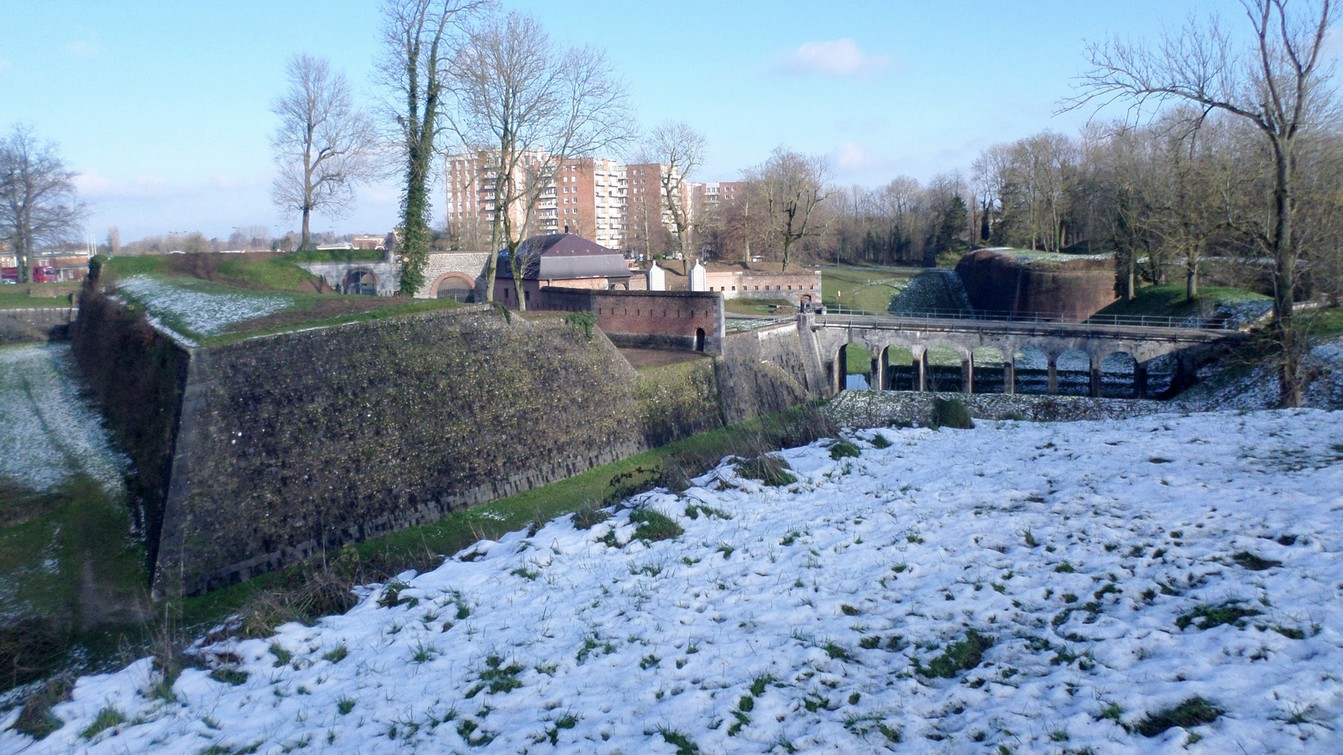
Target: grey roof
x=565 y=256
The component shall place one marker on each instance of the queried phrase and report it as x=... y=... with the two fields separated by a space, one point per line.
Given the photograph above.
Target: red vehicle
x=41 y=274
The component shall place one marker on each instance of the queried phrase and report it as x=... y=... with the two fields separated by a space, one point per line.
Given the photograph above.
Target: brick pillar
x=968 y=374
x=1139 y=379
x=1010 y=374
x=920 y=367
x=1095 y=376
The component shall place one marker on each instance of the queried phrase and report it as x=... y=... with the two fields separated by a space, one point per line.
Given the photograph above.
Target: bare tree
x=680 y=149
x=526 y=106
x=323 y=144
x=37 y=197
x=420 y=39
x=1279 y=86
x=113 y=240
x=792 y=185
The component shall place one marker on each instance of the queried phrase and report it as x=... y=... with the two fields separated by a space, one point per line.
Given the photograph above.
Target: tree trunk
x=1284 y=275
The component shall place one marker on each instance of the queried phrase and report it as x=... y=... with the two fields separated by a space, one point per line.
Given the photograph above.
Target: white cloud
x=95 y=185
x=840 y=57
x=852 y=156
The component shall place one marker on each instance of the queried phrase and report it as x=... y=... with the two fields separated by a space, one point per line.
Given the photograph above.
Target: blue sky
x=164 y=106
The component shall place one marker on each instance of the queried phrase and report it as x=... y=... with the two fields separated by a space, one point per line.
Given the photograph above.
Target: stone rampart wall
x=35 y=324
x=762 y=371
x=260 y=453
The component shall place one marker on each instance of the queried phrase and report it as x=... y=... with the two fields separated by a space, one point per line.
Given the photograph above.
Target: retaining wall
x=264 y=452
x=1072 y=290
x=35 y=324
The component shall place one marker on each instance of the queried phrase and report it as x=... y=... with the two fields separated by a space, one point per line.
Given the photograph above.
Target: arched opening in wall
x=899 y=369
x=1117 y=376
x=944 y=370
x=699 y=339
x=1160 y=375
x=360 y=282
x=1032 y=368
x=1073 y=371
x=456 y=287
x=989 y=370
x=855 y=367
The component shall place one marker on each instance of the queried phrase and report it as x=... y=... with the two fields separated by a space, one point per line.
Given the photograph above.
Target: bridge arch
x=1118 y=373
x=360 y=281
x=457 y=286
x=988 y=369
x=1031 y=353
x=1072 y=372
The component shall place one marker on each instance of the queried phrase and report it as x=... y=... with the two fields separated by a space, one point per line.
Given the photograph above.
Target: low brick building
x=562 y=260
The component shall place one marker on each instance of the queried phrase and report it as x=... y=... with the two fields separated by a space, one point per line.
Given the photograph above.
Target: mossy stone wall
x=260 y=453
x=295 y=444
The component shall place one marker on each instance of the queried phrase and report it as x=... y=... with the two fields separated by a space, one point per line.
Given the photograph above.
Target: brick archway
x=454 y=285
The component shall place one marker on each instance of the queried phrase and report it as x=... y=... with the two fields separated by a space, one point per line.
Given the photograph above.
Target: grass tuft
x=652 y=525
x=844 y=449
x=1191 y=712
x=770 y=470
x=951 y=413
x=107 y=718
x=1254 y=563
x=1209 y=616
x=959 y=656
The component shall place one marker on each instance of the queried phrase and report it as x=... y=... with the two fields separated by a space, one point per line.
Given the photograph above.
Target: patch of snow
x=48 y=430
x=202 y=312
x=813 y=616
x=931 y=291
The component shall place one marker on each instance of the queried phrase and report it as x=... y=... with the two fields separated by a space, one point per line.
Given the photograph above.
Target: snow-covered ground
x=48 y=431
x=202 y=312
x=931 y=290
x=1033 y=587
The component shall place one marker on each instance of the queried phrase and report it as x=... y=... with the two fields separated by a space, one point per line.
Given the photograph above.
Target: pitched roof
x=565 y=256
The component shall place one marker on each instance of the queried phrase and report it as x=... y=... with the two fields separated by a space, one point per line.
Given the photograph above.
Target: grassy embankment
x=72 y=593
x=1170 y=301
x=306 y=303
x=37 y=295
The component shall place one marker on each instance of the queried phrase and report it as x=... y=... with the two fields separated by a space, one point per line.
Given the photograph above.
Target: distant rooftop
x=565 y=256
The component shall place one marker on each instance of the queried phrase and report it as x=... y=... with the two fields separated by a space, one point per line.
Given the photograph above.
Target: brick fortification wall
x=761 y=284
x=651 y=319
x=1072 y=289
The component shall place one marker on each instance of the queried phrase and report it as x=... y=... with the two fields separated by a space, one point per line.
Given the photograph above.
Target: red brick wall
x=756 y=284
x=1071 y=290
x=652 y=318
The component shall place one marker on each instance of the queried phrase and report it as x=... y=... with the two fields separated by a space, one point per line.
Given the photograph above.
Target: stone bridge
x=829 y=334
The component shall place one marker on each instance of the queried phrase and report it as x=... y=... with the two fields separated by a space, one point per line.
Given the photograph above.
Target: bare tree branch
x=323 y=146
x=38 y=203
